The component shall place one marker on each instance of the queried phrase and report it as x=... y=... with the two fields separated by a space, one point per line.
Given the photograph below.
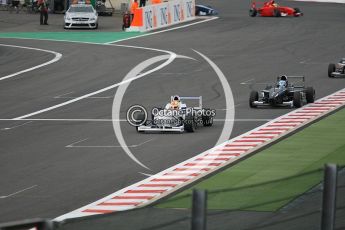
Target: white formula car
x=177 y=118
x=337 y=70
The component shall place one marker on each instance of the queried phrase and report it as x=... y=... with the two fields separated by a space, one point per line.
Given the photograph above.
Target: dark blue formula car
x=202 y=10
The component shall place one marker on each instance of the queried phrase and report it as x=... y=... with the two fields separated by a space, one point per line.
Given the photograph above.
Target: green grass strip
x=272 y=178
x=82 y=36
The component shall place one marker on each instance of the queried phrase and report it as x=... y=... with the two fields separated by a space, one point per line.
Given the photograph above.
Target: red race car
x=272 y=9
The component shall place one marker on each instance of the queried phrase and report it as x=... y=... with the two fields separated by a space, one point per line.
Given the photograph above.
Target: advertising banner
x=166 y=14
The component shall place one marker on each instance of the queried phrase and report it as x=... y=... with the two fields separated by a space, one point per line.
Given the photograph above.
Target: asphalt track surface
x=60 y=179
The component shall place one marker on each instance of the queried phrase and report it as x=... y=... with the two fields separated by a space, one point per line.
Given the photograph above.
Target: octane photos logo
x=180 y=112
x=137 y=115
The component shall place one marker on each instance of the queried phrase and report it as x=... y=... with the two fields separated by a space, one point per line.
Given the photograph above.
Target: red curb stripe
x=267 y=132
x=250 y=141
x=282 y=124
x=302 y=115
x=316 y=108
x=337 y=97
x=295 y=118
x=146 y=191
x=334 y=100
x=233 y=149
x=212 y=159
x=119 y=203
x=180 y=174
x=98 y=211
x=133 y=197
x=223 y=154
x=157 y=185
x=172 y=179
x=274 y=129
x=185 y=169
x=286 y=121
x=241 y=145
x=328 y=103
x=307 y=112
x=267 y=137
x=202 y=164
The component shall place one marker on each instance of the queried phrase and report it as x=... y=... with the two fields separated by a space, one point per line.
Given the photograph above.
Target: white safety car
x=81 y=16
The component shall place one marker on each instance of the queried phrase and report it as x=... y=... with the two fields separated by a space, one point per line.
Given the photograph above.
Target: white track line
x=74 y=145
x=20 y=191
x=55 y=59
x=16 y=126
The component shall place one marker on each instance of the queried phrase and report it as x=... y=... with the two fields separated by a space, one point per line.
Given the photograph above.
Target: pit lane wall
x=163 y=15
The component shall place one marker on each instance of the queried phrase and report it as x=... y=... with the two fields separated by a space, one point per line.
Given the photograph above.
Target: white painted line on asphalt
x=166 y=30
x=20 y=191
x=74 y=145
x=247 y=82
x=306 y=62
x=146 y=174
x=16 y=126
x=64 y=96
x=55 y=59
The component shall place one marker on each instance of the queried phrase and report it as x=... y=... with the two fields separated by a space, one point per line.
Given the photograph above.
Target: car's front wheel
x=254 y=96
x=253 y=12
x=331 y=69
x=310 y=94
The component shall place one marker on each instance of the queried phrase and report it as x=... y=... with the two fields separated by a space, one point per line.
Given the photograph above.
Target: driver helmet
x=283 y=78
x=175 y=102
x=273 y=3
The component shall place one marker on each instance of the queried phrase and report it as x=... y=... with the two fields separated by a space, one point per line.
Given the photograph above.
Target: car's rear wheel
x=254 y=96
x=276 y=13
x=310 y=94
x=297 y=100
x=189 y=123
x=253 y=12
x=331 y=69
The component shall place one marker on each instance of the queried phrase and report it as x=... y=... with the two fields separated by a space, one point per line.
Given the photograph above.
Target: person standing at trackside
x=134 y=6
x=43 y=7
x=142 y=3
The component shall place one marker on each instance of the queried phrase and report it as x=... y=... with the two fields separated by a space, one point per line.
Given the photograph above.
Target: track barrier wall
x=161 y=15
